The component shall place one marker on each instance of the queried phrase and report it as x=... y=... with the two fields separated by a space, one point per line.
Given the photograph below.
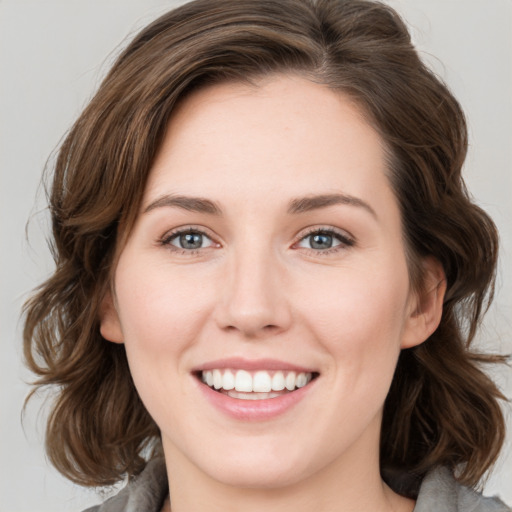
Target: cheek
x=160 y=318
x=157 y=310
x=360 y=317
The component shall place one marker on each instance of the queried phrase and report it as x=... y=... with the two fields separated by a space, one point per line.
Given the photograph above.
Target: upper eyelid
x=187 y=229
x=326 y=229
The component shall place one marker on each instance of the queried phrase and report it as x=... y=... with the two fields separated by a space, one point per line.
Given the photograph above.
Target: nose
x=253 y=300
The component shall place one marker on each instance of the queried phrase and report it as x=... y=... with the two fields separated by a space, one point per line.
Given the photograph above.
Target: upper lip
x=238 y=363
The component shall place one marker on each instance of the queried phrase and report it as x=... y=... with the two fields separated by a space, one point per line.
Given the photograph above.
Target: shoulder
x=441 y=492
x=145 y=493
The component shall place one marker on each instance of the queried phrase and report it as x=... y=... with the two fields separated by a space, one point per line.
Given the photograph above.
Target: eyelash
x=345 y=240
x=167 y=239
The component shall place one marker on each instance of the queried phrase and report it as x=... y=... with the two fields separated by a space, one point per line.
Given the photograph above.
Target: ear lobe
x=110 y=326
x=426 y=306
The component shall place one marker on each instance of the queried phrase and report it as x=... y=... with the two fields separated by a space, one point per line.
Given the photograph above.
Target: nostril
x=252 y=332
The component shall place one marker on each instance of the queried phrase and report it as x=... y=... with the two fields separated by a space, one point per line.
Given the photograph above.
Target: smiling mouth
x=255 y=385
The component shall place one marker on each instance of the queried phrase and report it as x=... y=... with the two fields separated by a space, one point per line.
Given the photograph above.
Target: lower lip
x=254 y=410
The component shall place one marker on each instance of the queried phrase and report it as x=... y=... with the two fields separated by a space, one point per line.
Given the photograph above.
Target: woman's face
x=268 y=254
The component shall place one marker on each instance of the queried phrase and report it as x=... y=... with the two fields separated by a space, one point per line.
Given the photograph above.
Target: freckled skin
x=256 y=288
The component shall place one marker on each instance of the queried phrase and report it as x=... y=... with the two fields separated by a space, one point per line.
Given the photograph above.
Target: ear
x=426 y=304
x=110 y=326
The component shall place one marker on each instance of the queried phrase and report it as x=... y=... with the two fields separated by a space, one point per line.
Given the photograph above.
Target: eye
x=188 y=240
x=324 y=239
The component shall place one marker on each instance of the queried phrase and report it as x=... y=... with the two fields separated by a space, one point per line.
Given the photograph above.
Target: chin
x=262 y=466
x=273 y=475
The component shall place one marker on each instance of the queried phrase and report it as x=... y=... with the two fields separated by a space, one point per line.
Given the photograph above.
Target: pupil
x=321 y=241
x=191 y=240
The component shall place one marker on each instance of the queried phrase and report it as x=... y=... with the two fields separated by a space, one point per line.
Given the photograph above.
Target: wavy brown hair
x=441 y=409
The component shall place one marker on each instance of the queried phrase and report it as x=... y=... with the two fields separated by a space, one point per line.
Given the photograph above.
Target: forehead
x=282 y=136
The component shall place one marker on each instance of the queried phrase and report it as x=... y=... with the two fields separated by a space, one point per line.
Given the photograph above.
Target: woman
x=269 y=272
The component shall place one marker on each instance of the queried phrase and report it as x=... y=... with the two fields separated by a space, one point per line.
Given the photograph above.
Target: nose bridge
x=254 y=301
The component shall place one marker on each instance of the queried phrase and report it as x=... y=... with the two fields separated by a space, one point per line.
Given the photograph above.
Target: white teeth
x=301 y=381
x=260 y=382
x=290 y=381
x=243 y=381
x=252 y=396
x=217 y=379
x=228 y=381
x=278 y=382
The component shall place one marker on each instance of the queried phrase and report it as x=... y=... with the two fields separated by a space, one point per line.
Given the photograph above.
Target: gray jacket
x=439 y=492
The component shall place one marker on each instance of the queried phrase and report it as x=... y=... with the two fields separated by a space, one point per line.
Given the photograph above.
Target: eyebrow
x=315 y=202
x=192 y=204
x=296 y=206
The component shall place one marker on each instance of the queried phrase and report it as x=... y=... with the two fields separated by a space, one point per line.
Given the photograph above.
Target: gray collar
x=439 y=492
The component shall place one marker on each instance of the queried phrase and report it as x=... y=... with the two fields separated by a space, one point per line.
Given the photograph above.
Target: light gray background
x=52 y=56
